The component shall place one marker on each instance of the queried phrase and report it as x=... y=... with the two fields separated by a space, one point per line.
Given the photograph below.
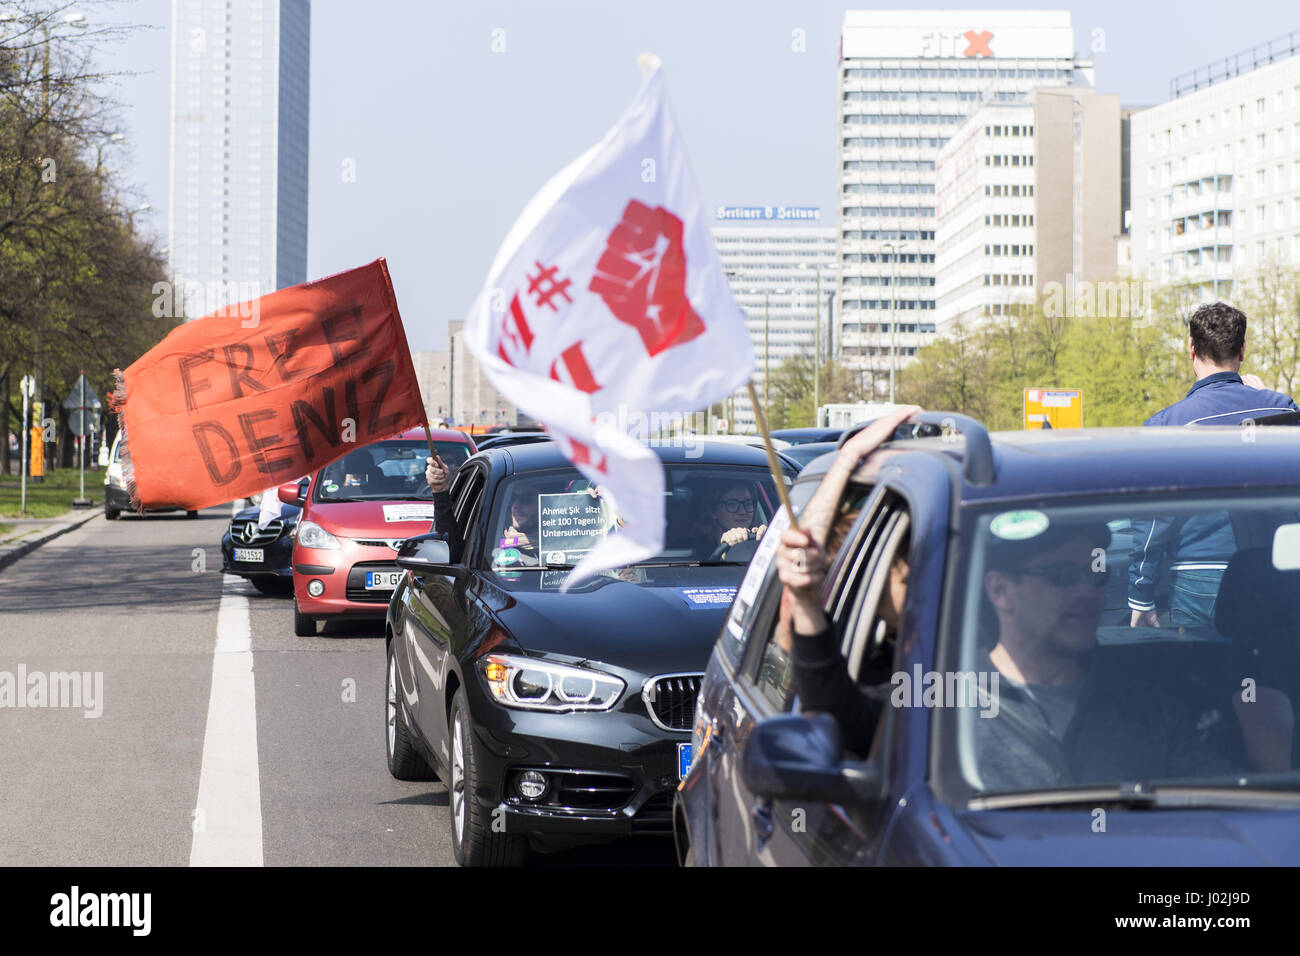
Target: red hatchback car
x=358 y=510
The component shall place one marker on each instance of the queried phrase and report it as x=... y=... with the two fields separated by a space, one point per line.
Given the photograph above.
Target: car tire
x=474 y=842
x=271 y=585
x=191 y=514
x=303 y=624
x=404 y=761
x=111 y=514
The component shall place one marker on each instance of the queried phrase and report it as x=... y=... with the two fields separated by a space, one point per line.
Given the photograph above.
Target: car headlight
x=312 y=535
x=532 y=684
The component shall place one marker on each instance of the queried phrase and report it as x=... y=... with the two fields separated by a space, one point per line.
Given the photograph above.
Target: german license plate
x=250 y=555
x=382 y=580
x=683 y=760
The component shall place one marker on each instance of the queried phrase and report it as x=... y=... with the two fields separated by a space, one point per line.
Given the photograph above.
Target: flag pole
x=428 y=435
x=778 y=476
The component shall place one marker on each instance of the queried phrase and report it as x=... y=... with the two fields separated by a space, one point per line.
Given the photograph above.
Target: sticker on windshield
x=409 y=513
x=708 y=597
x=507 y=557
x=1019 y=525
x=571 y=525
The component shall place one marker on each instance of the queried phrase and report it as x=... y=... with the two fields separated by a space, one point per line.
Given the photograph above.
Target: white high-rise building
x=1216 y=174
x=907 y=80
x=1030 y=194
x=775 y=272
x=237 y=223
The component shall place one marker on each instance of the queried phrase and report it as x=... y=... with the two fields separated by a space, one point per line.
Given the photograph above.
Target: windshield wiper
x=1144 y=795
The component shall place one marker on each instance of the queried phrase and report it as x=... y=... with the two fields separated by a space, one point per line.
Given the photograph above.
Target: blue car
x=1009 y=705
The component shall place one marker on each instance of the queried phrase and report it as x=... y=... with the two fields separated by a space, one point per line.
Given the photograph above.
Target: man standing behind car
x=1197 y=549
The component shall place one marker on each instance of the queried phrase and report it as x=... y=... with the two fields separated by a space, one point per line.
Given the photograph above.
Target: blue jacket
x=1202 y=542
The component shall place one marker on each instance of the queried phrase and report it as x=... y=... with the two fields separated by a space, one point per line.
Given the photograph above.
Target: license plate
x=250 y=555
x=683 y=760
x=382 y=580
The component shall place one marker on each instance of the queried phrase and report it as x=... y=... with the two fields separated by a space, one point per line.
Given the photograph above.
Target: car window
x=555 y=517
x=386 y=470
x=1132 y=641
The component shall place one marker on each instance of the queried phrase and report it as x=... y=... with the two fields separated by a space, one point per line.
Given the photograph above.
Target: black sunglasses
x=1067 y=575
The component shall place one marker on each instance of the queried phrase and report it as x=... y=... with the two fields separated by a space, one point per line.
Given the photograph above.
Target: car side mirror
x=292 y=493
x=428 y=553
x=797 y=757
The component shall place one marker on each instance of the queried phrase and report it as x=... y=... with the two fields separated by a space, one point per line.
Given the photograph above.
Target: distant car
x=801 y=455
x=1021 y=544
x=262 y=556
x=755 y=440
x=804 y=436
x=116 y=498
x=504 y=439
x=358 y=511
x=558 y=718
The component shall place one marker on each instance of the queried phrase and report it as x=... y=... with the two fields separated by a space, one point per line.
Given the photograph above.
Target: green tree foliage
x=76 y=280
x=790 y=391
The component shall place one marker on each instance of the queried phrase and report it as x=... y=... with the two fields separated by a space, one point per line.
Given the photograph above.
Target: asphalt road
x=137 y=601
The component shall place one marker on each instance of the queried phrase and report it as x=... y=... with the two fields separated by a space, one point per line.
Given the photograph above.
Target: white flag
x=607 y=302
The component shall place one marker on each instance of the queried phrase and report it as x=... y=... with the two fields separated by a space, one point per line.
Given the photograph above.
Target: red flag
x=250 y=397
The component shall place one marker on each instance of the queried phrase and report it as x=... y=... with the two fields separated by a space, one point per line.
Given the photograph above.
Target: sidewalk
x=29 y=534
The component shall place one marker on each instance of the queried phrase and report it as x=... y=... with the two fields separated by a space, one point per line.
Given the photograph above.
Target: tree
x=791 y=390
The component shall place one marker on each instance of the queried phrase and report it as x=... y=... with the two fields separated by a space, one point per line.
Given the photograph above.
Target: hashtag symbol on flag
x=554 y=288
x=642 y=277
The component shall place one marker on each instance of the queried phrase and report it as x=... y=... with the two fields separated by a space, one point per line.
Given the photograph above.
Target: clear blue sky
x=451 y=139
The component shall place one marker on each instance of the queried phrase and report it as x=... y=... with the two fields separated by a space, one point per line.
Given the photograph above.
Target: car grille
x=356 y=589
x=670 y=699
x=376 y=543
x=244 y=532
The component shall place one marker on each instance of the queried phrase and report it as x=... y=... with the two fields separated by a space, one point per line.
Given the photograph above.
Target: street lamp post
x=893 y=320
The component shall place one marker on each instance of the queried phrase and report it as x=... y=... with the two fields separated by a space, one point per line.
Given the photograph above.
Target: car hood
x=1137 y=837
x=382 y=520
x=664 y=624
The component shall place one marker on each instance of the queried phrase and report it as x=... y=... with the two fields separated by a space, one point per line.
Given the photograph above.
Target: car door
x=748 y=829
x=438 y=611
x=754 y=830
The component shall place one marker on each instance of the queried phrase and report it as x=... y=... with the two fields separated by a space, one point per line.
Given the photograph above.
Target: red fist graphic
x=642 y=277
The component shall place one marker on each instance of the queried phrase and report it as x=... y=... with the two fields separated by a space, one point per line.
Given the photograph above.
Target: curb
x=26 y=547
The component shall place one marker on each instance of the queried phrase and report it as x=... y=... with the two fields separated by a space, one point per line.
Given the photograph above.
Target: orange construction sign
x=1053 y=408
x=266 y=391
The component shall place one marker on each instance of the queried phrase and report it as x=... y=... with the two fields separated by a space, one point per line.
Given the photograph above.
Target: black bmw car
x=262 y=555
x=553 y=718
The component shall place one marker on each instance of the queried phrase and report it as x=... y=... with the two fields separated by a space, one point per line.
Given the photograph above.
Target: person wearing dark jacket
x=438 y=475
x=1196 y=551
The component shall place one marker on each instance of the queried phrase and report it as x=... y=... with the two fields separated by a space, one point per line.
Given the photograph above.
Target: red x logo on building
x=979 y=43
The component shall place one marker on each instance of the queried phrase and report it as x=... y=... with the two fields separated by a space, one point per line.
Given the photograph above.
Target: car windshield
x=553 y=518
x=1126 y=644
x=386 y=470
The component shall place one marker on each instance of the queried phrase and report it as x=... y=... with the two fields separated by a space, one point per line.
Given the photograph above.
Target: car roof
x=1084 y=461
x=439 y=434
x=518 y=458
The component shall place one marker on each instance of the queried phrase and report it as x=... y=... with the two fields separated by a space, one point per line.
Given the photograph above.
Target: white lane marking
x=228 y=816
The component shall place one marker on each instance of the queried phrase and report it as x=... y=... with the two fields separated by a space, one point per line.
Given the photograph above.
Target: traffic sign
x=75 y=421
x=27 y=386
x=1053 y=408
x=81 y=396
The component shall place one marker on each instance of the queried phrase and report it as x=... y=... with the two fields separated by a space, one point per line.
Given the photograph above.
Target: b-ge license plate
x=250 y=555
x=382 y=580
x=683 y=760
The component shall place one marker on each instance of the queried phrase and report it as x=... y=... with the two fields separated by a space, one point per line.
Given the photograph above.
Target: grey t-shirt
x=1057 y=702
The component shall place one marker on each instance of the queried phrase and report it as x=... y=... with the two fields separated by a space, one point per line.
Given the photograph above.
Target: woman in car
x=728 y=519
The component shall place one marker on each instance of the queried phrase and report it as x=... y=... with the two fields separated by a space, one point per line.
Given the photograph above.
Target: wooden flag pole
x=429 y=436
x=777 y=474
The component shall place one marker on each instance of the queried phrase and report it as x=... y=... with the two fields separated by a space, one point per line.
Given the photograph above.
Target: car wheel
x=271 y=585
x=404 y=761
x=303 y=625
x=110 y=514
x=474 y=841
x=191 y=514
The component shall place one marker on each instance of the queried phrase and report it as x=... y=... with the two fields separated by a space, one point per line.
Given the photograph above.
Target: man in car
x=1059 y=718
x=1198 y=549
